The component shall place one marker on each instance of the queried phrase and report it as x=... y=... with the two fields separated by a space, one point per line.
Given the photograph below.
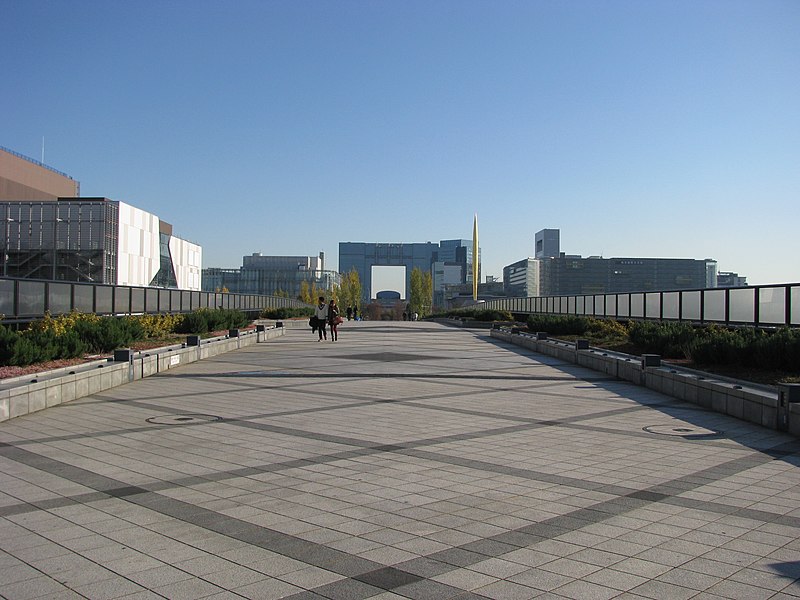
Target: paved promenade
x=407 y=460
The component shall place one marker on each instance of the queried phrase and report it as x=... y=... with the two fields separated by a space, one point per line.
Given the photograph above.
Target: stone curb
x=30 y=393
x=737 y=399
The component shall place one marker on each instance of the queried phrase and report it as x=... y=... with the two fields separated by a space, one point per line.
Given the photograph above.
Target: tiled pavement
x=407 y=460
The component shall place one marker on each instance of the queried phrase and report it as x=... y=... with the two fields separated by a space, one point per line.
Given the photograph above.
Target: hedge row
x=77 y=334
x=205 y=320
x=475 y=315
x=707 y=345
x=286 y=313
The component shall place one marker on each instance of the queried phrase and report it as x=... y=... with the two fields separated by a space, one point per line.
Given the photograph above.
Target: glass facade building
x=61 y=241
x=362 y=256
x=95 y=240
x=272 y=275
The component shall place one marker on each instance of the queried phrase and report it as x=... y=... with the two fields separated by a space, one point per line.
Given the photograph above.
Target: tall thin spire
x=475 y=269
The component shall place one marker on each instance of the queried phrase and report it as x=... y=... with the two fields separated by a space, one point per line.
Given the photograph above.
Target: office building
x=726 y=279
x=547 y=243
x=272 y=275
x=449 y=261
x=521 y=279
x=554 y=273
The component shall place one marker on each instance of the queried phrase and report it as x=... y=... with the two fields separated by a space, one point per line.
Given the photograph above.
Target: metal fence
x=761 y=306
x=29 y=299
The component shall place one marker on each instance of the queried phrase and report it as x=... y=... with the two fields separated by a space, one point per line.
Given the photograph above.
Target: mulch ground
x=6 y=372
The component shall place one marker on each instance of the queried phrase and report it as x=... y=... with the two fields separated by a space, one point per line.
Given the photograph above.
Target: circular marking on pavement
x=684 y=431
x=183 y=419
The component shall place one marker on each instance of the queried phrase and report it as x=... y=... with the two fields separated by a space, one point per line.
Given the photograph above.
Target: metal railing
x=23 y=300
x=759 y=306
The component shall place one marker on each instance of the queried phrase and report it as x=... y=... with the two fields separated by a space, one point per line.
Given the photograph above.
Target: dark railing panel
x=83 y=298
x=104 y=304
x=151 y=300
x=122 y=300
x=137 y=300
x=7 y=298
x=31 y=298
x=59 y=298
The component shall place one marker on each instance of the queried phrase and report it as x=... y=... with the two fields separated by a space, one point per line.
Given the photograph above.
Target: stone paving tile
x=411 y=460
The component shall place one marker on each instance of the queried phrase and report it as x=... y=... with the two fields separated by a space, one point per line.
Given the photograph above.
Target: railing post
x=702 y=306
x=727 y=307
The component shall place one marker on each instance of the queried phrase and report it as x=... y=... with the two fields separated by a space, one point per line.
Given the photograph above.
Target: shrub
x=718 y=346
x=37 y=345
x=158 y=326
x=490 y=315
x=286 y=313
x=205 y=320
x=8 y=339
x=108 y=333
x=670 y=340
x=778 y=350
x=607 y=328
x=563 y=325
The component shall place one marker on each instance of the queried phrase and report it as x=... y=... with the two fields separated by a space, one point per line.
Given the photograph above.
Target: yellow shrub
x=62 y=323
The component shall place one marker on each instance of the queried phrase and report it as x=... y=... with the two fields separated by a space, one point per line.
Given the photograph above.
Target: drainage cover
x=683 y=430
x=183 y=419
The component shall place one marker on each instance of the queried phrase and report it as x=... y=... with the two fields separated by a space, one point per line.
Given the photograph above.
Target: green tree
x=350 y=289
x=305 y=293
x=421 y=292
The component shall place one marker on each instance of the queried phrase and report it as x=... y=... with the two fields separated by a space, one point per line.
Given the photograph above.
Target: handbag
x=339 y=320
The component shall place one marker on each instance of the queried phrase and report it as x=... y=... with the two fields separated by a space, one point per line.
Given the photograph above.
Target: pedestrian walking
x=334 y=319
x=321 y=312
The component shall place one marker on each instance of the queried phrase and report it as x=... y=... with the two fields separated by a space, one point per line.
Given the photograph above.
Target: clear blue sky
x=637 y=128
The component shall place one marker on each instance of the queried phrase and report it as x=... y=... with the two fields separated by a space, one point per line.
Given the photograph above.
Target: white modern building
x=50 y=232
x=96 y=240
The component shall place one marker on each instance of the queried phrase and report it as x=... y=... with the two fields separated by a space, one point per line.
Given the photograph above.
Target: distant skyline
x=652 y=129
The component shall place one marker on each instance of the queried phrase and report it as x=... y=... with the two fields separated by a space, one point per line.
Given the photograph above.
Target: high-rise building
x=547 y=243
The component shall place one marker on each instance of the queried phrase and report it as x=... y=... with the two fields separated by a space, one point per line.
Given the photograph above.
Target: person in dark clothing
x=333 y=319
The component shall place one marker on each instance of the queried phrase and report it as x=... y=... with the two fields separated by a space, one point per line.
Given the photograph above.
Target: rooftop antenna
x=42 y=149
